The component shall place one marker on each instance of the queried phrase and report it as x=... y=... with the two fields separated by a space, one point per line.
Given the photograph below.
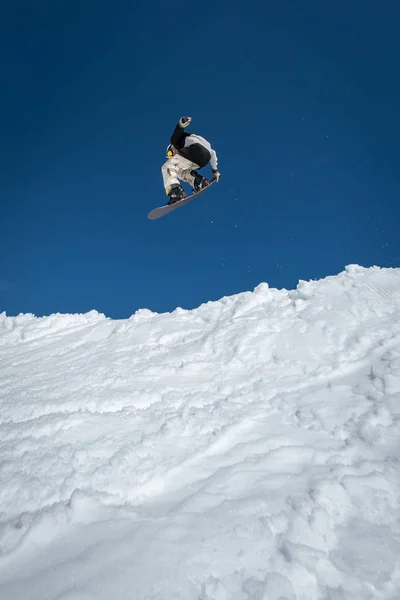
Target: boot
x=200 y=182
x=176 y=193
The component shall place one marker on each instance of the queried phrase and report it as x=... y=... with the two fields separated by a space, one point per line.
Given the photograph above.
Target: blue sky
x=299 y=99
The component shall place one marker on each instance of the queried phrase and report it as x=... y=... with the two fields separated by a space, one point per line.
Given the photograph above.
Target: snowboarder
x=186 y=153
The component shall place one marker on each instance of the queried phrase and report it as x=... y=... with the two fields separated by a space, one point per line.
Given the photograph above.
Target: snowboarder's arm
x=214 y=165
x=214 y=160
x=178 y=137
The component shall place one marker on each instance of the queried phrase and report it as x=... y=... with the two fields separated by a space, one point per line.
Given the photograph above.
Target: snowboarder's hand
x=184 y=121
x=216 y=174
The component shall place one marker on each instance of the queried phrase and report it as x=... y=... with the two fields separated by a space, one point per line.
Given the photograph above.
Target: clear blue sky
x=300 y=100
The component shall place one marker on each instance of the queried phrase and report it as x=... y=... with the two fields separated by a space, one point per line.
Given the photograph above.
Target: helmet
x=169 y=151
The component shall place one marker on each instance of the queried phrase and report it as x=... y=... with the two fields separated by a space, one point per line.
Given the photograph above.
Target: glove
x=216 y=174
x=184 y=121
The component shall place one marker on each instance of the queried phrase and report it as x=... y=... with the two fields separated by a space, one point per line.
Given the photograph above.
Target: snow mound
x=244 y=450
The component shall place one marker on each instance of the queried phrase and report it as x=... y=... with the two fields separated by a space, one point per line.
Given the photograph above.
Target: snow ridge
x=243 y=450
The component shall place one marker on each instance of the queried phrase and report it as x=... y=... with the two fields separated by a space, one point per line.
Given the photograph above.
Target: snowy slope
x=245 y=450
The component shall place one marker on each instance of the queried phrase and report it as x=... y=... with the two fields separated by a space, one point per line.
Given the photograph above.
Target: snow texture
x=244 y=450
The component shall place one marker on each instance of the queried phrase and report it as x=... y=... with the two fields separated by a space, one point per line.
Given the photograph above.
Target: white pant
x=177 y=167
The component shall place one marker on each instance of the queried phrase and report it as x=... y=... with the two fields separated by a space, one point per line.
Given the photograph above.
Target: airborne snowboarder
x=186 y=153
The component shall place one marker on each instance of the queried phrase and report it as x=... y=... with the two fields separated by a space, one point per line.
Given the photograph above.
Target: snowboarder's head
x=171 y=151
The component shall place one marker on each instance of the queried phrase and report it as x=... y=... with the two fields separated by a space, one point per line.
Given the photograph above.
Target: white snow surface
x=244 y=450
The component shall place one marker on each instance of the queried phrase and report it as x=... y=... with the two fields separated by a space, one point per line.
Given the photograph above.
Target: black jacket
x=193 y=147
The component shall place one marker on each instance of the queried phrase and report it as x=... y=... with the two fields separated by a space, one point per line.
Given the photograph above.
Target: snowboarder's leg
x=199 y=182
x=190 y=175
x=175 y=169
x=170 y=175
x=199 y=156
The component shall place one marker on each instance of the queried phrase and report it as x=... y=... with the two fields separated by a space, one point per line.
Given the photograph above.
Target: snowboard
x=156 y=213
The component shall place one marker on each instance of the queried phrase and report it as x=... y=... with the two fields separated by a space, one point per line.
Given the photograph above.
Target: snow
x=244 y=450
